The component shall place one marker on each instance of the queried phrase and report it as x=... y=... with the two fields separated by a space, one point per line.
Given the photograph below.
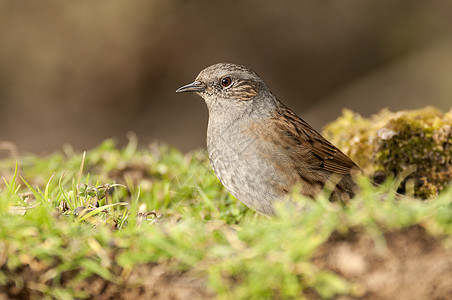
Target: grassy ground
x=155 y=223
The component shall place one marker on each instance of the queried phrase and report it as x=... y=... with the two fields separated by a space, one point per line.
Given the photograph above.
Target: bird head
x=226 y=85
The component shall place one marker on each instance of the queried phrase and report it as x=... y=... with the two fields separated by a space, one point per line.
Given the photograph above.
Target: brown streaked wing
x=300 y=134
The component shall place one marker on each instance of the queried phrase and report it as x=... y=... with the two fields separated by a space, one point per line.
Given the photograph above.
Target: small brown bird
x=259 y=148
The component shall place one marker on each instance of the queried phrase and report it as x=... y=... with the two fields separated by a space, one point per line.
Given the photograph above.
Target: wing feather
x=303 y=138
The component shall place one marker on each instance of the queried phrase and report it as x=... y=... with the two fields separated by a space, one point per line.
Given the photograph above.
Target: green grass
x=197 y=227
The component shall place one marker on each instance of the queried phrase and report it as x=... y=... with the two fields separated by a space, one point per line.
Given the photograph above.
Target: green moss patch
x=416 y=145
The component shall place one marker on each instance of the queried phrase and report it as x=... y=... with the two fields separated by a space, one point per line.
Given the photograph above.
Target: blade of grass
x=35 y=193
x=46 y=190
x=98 y=210
x=80 y=172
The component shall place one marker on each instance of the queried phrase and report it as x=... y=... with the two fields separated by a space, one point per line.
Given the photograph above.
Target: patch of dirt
x=149 y=281
x=407 y=264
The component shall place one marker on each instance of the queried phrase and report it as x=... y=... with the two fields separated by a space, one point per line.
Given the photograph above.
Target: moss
x=393 y=143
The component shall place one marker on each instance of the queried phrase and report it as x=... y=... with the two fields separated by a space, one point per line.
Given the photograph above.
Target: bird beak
x=196 y=86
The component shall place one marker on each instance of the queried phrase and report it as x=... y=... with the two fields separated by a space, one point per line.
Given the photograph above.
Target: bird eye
x=226 y=81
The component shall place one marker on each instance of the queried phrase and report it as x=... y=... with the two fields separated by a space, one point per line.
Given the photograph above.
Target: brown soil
x=406 y=264
x=149 y=281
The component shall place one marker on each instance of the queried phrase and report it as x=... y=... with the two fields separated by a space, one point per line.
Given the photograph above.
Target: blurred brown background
x=82 y=71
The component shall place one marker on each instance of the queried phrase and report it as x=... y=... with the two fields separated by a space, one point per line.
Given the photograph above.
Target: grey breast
x=235 y=159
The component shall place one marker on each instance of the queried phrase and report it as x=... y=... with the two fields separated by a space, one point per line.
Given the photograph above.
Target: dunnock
x=259 y=148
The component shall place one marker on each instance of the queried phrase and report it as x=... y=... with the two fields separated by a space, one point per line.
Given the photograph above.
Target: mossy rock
x=415 y=144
